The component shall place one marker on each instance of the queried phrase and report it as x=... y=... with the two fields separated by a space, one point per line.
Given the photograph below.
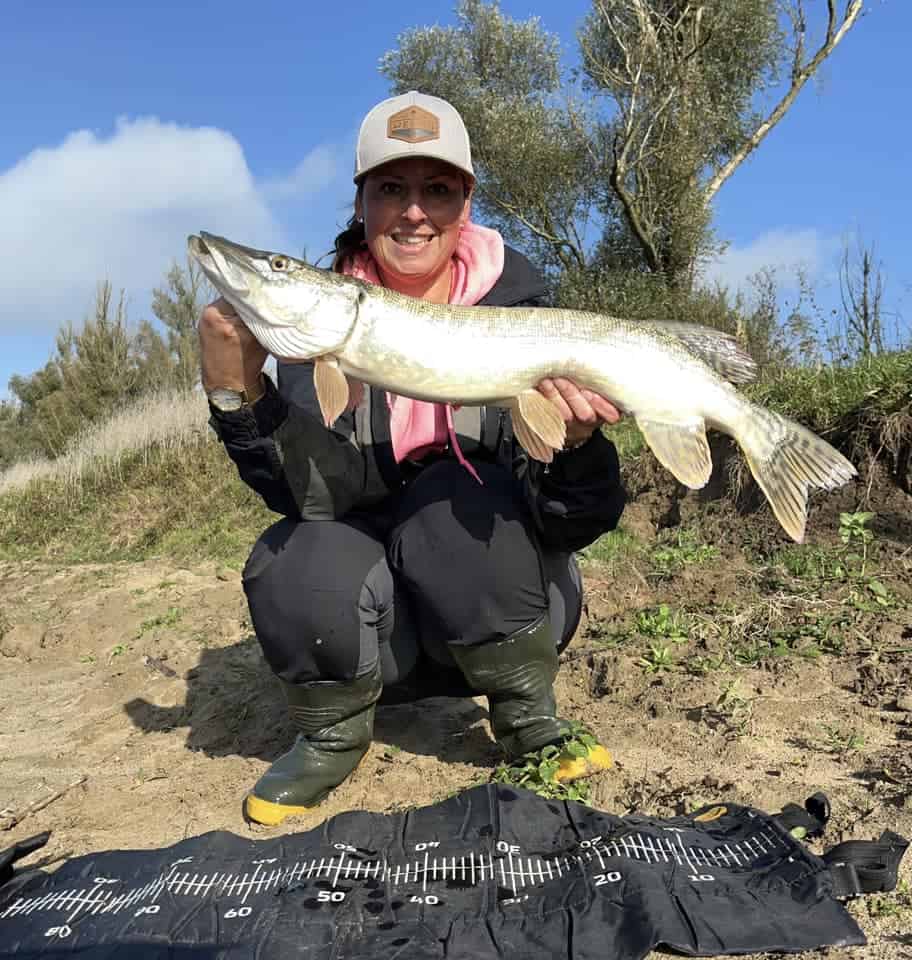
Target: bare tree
x=861 y=286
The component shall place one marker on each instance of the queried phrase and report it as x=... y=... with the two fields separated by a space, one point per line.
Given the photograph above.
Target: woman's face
x=413 y=210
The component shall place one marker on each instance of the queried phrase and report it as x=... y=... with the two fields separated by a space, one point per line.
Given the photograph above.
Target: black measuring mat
x=494 y=872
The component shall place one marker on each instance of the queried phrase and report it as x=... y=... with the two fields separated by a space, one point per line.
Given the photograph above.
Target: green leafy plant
x=854 y=532
x=734 y=708
x=536 y=770
x=700 y=665
x=662 y=622
x=657 y=660
x=685 y=551
x=842 y=741
x=892 y=904
x=809 y=563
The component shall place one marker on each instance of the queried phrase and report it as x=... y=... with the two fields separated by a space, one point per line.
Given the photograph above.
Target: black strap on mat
x=18 y=851
x=856 y=866
x=865 y=866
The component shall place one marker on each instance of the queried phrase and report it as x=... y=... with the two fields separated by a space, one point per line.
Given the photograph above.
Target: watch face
x=226 y=400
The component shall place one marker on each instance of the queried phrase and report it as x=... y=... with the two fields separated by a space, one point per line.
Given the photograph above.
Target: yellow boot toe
x=270 y=814
x=597 y=758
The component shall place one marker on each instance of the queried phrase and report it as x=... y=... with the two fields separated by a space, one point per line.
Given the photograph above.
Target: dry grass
x=151 y=480
x=158 y=424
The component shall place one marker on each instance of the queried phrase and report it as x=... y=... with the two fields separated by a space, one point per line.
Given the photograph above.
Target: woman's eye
x=389 y=187
x=438 y=189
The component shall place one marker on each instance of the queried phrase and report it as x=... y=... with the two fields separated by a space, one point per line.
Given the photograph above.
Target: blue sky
x=128 y=126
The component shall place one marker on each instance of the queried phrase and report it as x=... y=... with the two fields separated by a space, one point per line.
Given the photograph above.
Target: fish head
x=295 y=310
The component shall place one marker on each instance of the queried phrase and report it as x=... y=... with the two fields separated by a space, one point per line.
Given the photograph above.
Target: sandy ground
x=145 y=679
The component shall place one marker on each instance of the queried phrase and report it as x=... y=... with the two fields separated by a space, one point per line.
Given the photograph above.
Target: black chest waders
x=491 y=873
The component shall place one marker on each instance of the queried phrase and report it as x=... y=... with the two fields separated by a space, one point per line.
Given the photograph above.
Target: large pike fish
x=672 y=379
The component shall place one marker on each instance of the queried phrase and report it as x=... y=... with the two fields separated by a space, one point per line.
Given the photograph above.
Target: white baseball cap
x=412 y=125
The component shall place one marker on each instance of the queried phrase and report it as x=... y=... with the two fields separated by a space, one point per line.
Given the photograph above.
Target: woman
x=421 y=552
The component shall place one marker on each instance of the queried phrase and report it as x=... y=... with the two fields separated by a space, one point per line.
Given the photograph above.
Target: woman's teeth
x=411 y=241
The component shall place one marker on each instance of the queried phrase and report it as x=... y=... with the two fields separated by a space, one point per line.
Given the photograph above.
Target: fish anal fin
x=681 y=447
x=332 y=389
x=538 y=425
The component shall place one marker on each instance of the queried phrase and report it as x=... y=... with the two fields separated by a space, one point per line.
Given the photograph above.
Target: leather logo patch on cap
x=413 y=125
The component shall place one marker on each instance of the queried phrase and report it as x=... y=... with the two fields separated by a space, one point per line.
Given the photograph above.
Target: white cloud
x=316 y=171
x=121 y=206
x=783 y=250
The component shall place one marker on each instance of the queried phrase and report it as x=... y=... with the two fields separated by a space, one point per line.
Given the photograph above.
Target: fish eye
x=279 y=263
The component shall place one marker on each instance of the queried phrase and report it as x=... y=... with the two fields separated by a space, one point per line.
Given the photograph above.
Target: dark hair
x=350 y=241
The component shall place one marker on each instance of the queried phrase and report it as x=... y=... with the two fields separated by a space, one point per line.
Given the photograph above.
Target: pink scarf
x=416 y=426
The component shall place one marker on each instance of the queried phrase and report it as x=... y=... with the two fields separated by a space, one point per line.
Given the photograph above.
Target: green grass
x=610 y=548
x=186 y=504
x=167 y=619
x=680 y=549
x=626 y=437
x=825 y=398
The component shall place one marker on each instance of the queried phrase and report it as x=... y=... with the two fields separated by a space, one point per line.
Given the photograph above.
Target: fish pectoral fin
x=538 y=425
x=681 y=447
x=332 y=389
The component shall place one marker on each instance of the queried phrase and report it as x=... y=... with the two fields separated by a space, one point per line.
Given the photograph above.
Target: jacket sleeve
x=325 y=468
x=247 y=437
x=284 y=452
x=577 y=497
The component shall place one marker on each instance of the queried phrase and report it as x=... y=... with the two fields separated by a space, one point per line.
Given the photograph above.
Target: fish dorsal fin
x=681 y=447
x=538 y=425
x=715 y=347
x=332 y=389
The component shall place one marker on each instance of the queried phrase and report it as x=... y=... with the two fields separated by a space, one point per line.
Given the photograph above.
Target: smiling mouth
x=408 y=240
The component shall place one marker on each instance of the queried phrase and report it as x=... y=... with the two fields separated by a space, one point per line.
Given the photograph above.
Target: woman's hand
x=583 y=410
x=230 y=355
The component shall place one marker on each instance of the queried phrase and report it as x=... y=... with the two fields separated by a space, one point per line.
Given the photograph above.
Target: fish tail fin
x=786 y=459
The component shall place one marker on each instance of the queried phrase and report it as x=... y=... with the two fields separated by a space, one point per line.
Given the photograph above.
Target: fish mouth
x=228 y=265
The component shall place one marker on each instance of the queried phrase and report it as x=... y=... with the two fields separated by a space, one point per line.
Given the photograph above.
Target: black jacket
x=305 y=471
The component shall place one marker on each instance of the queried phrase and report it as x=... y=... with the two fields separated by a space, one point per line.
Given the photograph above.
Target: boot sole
x=271 y=814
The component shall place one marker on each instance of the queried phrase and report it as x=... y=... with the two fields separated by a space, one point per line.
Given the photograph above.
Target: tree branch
x=616 y=178
x=562 y=247
x=800 y=76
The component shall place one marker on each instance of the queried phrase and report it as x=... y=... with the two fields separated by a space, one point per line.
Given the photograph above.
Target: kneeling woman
x=394 y=575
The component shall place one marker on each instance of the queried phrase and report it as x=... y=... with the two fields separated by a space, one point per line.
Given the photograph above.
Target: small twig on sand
x=10 y=821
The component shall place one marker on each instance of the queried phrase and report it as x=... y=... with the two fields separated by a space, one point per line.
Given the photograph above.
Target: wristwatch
x=228 y=401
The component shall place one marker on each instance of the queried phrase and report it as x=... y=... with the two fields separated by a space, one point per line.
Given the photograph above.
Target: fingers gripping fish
x=673 y=379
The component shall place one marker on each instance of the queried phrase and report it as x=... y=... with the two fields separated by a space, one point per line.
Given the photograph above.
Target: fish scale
x=672 y=379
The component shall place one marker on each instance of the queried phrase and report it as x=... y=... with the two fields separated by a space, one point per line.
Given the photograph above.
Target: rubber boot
x=335 y=723
x=517 y=676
